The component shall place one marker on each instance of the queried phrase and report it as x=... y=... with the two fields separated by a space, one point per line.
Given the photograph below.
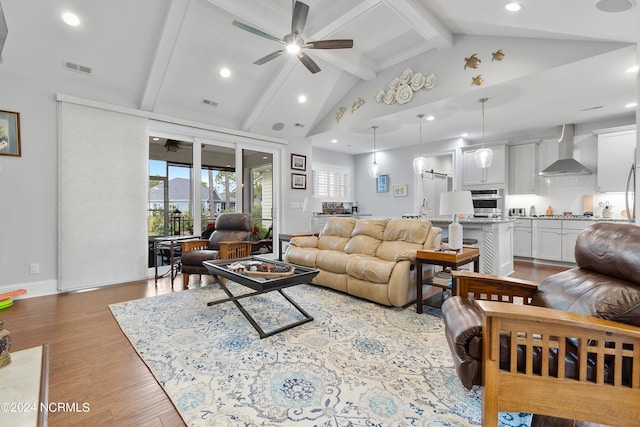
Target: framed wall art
x=299 y=162
x=400 y=190
x=382 y=184
x=298 y=181
x=9 y=133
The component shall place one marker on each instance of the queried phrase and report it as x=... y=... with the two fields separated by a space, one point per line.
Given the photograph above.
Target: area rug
x=356 y=364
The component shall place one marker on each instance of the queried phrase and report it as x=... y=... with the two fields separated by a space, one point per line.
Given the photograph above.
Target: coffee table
x=219 y=269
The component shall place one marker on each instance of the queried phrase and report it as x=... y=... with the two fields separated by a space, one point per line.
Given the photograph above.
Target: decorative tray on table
x=261 y=269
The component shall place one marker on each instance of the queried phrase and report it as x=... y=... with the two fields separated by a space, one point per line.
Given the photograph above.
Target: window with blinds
x=330 y=182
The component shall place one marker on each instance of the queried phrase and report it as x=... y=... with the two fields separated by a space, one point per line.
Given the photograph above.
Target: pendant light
x=483 y=156
x=420 y=162
x=374 y=169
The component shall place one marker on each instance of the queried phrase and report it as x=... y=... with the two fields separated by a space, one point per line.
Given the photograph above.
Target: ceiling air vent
x=299 y=125
x=77 y=68
x=209 y=102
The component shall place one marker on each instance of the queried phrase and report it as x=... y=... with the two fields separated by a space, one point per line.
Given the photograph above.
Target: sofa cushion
x=612 y=249
x=370 y=227
x=334 y=261
x=336 y=233
x=365 y=245
x=370 y=268
x=301 y=256
x=407 y=230
x=584 y=292
x=398 y=251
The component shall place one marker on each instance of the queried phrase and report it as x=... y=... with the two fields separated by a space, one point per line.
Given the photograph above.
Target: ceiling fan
x=293 y=42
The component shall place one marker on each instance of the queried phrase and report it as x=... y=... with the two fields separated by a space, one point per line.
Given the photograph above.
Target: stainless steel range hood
x=566 y=164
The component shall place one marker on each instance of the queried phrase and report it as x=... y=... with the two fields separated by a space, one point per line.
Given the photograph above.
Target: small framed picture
x=299 y=162
x=382 y=184
x=298 y=181
x=400 y=190
x=9 y=133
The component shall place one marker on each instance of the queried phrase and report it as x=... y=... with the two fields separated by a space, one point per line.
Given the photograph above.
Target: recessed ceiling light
x=464 y=135
x=71 y=19
x=513 y=6
x=302 y=99
x=225 y=72
x=615 y=5
x=633 y=69
x=155 y=138
x=334 y=141
x=631 y=105
x=430 y=118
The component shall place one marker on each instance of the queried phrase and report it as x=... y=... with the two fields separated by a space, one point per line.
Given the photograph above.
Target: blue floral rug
x=355 y=364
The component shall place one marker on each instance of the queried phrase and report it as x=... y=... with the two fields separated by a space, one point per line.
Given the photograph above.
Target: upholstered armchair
x=229 y=240
x=568 y=347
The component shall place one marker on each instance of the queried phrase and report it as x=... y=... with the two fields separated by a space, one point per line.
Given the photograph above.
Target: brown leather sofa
x=582 y=348
x=228 y=240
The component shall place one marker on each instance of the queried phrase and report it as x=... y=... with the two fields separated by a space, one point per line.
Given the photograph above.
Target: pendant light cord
x=374 y=143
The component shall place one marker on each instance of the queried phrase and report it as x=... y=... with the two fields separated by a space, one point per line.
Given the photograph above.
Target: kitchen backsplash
x=566 y=194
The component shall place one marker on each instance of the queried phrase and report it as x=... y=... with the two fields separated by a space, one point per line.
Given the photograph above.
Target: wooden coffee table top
x=467 y=253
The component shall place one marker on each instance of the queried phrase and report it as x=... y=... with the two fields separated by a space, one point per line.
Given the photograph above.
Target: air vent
x=209 y=102
x=592 y=108
x=77 y=68
x=299 y=125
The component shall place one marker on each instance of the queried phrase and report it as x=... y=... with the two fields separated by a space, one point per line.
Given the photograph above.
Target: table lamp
x=456 y=203
x=313 y=205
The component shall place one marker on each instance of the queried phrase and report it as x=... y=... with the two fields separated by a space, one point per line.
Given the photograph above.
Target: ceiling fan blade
x=269 y=57
x=330 y=44
x=299 y=18
x=308 y=62
x=256 y=31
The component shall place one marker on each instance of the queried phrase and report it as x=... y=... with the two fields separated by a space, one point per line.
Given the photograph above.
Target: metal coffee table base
x=245 y=313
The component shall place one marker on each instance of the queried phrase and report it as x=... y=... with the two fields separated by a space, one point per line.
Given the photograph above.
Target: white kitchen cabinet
x=493 y=175
x=555 y=239
x=547 y=239
x=523 y=168
x=522 y=238
x=615 y=157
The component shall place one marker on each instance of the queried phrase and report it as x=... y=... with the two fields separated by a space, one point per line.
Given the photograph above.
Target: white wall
x=28 y=189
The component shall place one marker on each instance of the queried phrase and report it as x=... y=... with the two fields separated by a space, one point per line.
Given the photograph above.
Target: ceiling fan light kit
x=293 y=42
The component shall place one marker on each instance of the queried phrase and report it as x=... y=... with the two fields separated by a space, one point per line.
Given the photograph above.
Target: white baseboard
x=34 y=289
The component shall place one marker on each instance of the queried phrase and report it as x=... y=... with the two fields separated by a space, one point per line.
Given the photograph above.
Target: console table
x=24 y=388
x=444 y=258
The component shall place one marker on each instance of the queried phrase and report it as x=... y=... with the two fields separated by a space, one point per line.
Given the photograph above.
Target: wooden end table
x=445 y=258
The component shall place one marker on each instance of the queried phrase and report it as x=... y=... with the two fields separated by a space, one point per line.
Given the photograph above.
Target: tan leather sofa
x=367 y=258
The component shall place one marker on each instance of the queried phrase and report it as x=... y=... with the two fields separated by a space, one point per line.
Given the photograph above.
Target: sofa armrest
x=490 y=287
x=195 y=244
x=304 y=241
x=546 y=389
x=463 y=331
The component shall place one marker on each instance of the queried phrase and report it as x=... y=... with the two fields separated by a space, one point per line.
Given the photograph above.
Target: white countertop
x=572 y=218
x=474 y=220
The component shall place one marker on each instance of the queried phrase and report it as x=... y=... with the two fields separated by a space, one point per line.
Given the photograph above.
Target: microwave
x=488 y=203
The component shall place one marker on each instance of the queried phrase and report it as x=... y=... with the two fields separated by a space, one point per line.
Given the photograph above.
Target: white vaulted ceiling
x=564 y=62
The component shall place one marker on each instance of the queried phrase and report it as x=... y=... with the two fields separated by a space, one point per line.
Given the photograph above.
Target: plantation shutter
x=331 y=182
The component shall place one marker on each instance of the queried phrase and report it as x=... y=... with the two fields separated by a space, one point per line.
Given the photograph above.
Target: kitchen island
x=495 y=240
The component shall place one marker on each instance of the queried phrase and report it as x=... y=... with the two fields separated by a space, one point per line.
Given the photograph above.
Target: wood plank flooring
x=91 y=361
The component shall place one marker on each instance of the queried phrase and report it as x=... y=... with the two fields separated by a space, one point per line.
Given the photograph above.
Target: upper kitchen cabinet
x=494 y=175
x=523 y=172
x=615 y=159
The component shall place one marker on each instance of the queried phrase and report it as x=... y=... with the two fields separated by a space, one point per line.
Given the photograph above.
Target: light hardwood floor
x=91 y=361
